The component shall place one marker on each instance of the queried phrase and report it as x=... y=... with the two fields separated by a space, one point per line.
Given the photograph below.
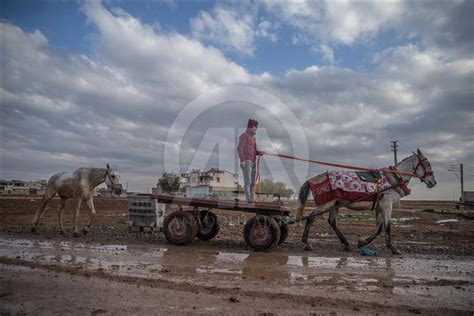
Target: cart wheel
x=284 y=232
x=261 y=233
x=208 y=225
x=180 y=228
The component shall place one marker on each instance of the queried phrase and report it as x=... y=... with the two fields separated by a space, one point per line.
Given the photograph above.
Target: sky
x=154 y=86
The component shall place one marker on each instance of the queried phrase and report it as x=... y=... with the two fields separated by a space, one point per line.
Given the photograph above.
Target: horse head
x=423 y=170
x=112 y=180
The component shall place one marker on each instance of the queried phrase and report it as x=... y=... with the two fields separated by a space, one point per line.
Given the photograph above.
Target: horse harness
x=401 y=184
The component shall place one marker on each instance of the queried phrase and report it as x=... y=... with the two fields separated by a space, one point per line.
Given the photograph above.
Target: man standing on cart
x=247 y=150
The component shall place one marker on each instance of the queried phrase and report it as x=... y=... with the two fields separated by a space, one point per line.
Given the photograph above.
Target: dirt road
x=113 y=271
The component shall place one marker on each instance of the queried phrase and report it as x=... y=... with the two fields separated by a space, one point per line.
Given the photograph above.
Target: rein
x=414 y=175
x=391 y=169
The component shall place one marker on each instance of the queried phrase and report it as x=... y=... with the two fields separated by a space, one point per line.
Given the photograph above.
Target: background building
x=211 y=183
x=37 y=187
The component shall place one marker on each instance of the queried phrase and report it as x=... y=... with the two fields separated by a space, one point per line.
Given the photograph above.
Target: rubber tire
x=191 y=225
x=206 y=236
x=274 y=230
x=283 y=232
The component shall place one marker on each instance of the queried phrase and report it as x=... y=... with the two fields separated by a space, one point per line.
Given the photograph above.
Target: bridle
x=422 y=165
x=403 y=184
x=107 y=176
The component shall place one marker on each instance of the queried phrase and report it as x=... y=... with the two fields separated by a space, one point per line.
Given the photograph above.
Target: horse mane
x=93 y=173
x=406 y=158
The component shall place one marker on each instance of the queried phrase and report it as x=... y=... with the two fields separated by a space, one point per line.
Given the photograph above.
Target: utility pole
x=394 y=149
x=454 y=169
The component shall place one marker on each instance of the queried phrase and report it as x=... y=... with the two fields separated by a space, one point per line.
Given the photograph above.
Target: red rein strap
x=257 y=178
x=331 y=164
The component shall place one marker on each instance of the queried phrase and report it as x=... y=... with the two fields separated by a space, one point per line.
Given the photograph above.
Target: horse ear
x=108 y=167
x=419 y=152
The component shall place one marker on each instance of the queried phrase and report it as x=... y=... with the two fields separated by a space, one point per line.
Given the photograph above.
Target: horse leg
x=76 y=217
x=332 y=222
x=309 y=223
x=375 y=233
x=48 y=195
x=312 y=218
x=90 y=205
x=62 y=204
x=387 y=214
x=388 y=240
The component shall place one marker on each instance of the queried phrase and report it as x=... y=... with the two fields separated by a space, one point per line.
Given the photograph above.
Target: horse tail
x=302 y=198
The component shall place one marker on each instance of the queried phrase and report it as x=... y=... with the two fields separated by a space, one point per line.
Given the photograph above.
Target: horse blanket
x=346 y=185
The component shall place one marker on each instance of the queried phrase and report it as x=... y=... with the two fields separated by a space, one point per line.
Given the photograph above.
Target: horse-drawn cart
x=197 y=218
x=331 y=191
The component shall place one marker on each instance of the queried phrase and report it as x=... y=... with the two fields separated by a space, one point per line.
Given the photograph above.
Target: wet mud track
x=308 y=282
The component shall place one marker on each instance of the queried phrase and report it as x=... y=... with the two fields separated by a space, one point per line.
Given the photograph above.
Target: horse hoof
x=347 y=247
x=76 y=234
x=85 y=231
x=361 y=243
x=308 y=248
x=62 y=232
x=33 y=229
x=396 y=252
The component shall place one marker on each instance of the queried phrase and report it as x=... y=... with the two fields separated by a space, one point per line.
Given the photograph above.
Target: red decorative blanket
x=344 y=185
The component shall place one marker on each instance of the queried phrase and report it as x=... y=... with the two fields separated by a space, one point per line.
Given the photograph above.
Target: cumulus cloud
x=446 y=26
x=61 y=110
x=160 y=60
x=232 y=29
x=326 y=52
x=412 y=95
x=343 y=22
x=116 y=107
x=226 y=28
x=267 y=29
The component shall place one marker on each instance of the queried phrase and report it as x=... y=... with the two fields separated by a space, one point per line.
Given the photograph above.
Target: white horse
x=78 y=185
x=415 y=165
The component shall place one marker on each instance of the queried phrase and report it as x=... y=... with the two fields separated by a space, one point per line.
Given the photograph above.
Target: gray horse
x=78 y=185
x=415 y=165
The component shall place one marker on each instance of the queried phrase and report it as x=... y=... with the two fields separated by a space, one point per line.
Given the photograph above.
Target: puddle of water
x=216 y=270
x=182 y=262
x=232 y=256
x=404 y=278
x=450 y=220
x=404 y=219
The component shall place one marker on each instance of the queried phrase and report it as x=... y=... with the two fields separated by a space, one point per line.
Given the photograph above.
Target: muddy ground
x=114 y=271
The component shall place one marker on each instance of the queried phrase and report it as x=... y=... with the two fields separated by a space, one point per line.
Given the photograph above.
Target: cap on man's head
x=251 y=123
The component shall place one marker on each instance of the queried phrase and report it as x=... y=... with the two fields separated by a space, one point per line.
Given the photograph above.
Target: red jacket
x=247 y=146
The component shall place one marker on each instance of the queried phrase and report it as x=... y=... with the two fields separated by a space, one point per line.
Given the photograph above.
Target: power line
x=405 y=149
x=455 y=169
